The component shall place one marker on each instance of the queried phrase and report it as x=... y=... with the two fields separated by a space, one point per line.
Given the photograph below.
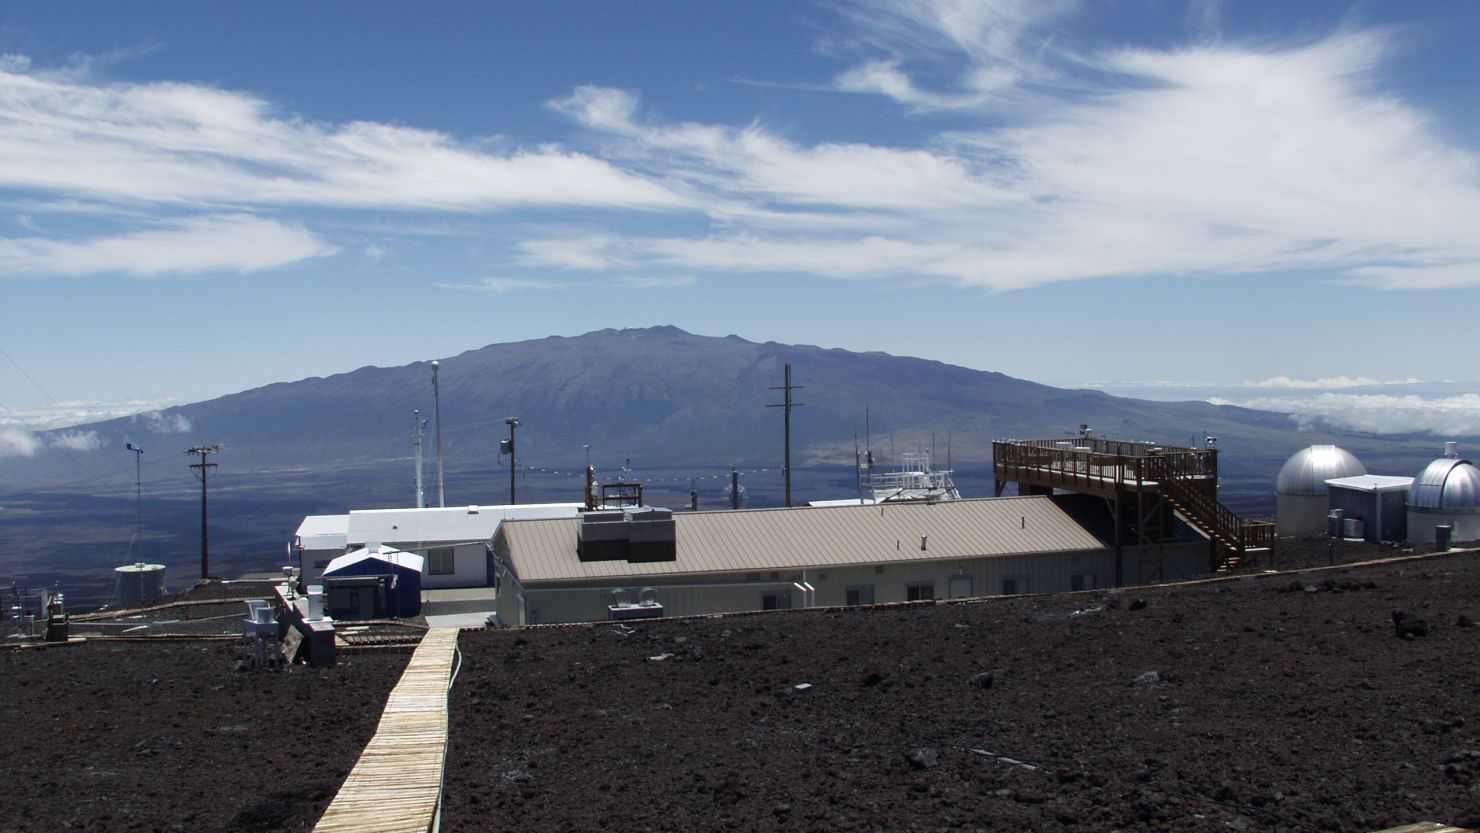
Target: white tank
x=139 y=583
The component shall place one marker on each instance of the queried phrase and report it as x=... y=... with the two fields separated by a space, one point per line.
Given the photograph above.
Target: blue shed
x=401 y=574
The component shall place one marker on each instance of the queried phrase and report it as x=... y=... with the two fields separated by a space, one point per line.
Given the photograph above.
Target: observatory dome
x=1307 y=471
x=1448 y=483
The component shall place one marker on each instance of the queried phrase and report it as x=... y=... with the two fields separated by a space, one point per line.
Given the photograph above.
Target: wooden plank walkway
x=395 y=786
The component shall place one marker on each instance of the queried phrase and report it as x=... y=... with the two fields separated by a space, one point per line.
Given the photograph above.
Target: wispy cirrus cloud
x=502 y=286
x=1210 y=159
x=190 y=144
x=222 y=243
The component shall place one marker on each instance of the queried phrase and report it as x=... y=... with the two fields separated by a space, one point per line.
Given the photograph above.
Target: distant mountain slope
x=663 y=397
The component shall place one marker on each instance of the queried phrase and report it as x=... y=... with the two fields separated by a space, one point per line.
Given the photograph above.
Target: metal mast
x=417 y=423
x=512 y=422
x=202 y=470
x=437 y=415
x=787 y=404
x=138 y=494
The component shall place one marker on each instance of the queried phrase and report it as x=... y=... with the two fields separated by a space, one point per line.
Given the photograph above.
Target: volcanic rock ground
x=1274 y=703
x=1283 y=702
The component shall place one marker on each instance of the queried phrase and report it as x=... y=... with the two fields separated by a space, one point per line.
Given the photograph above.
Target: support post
x=202 y=470
x=786 y=388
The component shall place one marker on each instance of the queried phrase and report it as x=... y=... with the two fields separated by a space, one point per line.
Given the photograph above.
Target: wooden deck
x=395 y=786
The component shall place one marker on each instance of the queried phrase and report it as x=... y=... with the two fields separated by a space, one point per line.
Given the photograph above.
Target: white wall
x=470 y=568
x=1421 y=525
x=314 y=562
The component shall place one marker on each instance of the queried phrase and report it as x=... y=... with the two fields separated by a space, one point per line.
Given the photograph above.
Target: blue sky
x=1266 y=197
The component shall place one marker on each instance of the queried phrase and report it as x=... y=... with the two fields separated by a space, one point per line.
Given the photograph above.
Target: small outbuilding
x=374 y=583
x=1375 y=503
x=1300 y=489
x=1446 y=492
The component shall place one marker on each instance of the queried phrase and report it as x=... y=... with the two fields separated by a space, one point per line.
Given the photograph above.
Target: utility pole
x=787 y=388
x=138 y=494
x=437 y=415
x=202 y=470
x=508 y=446
x=417 y=423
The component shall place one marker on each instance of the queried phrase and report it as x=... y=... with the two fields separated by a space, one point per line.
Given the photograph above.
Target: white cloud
x=18 y=442
x=652 y=282
x=76 y=440
x=997 y=40
x=1208 y=160
x=1328 y=382
x=500 y=286
x=158 y=422
x=77 y=412
x=233 y=243
x=188 y=144
x=1377 y=413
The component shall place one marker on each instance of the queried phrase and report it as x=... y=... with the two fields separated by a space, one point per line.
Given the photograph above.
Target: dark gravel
x=1271 y=703
x=128 y=736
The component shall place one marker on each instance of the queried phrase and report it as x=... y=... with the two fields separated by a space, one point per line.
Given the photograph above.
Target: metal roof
x=1307 y=471
x=1372 y=483
x=323 y=532
x=395 y=558
x=1447 y=483
x=789 y=539
x=417 y=527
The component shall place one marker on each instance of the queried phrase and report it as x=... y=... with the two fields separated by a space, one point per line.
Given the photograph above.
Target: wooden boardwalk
x=395 y=786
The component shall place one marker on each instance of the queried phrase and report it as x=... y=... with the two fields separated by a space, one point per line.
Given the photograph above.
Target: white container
x=315 y=602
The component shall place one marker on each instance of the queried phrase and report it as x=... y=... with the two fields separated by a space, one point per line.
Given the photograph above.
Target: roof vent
x=1451 y=449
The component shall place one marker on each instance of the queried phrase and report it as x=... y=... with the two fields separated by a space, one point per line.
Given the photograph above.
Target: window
x=780 y=600
x=1014 y=585
x=319 y=565
x=1082 y=581
x=440 y=561
x=919 y=591
x=860 y=594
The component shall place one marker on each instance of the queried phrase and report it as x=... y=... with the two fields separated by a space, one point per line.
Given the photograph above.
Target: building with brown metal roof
x=617 y=565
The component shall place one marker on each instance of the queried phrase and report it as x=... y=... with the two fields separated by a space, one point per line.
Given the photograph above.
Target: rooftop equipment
x=637 y=535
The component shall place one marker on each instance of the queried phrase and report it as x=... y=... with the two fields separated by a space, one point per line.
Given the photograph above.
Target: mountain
x=661 y=396
x=682 y=408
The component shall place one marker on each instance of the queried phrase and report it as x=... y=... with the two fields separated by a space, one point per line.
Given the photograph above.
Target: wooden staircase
x=1234 y=539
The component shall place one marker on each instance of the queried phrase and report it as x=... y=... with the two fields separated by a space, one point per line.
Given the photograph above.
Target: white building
x=729 y=561
x=453 y=540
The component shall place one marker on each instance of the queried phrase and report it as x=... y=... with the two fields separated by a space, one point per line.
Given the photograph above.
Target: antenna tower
x=138 y=496
x=437 y=416
x=202 y=471
x=417 y=424
x=787 y=387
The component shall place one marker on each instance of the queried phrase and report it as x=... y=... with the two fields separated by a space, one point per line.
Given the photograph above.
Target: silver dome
x=1308 y=470
x=1447 y=483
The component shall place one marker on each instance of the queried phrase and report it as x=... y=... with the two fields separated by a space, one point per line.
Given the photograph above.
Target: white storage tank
x=1300 y=489
x=1447 y=491
x=139 y=583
